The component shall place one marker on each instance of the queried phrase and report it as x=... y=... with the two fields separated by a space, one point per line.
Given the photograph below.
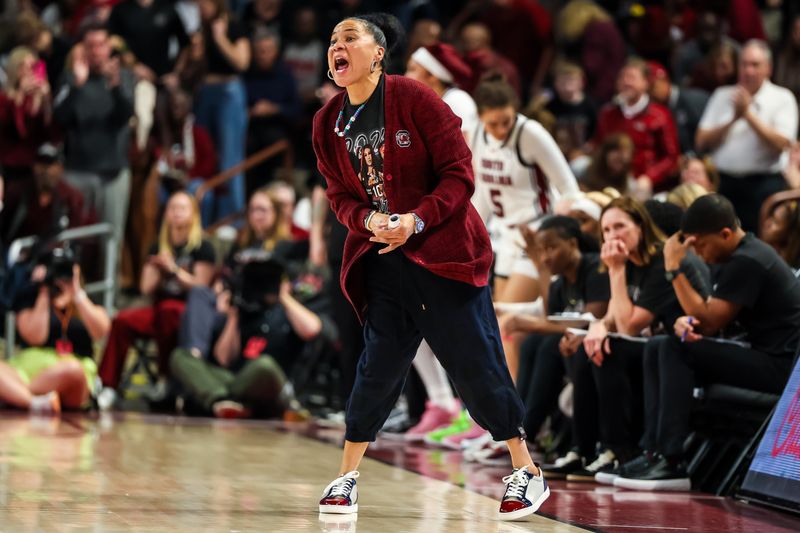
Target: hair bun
x=389 y=25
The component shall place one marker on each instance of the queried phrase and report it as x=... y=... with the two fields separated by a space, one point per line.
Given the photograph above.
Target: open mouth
x=340 y=64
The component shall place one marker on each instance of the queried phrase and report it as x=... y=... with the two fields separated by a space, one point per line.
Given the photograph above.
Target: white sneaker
x=341 y=496
x=106 y=399
x=525 y=493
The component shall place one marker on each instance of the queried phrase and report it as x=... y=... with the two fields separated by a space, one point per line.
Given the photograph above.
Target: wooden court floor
x=148 y=473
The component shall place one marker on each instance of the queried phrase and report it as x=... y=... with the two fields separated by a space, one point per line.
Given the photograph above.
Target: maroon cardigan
x=427 y=170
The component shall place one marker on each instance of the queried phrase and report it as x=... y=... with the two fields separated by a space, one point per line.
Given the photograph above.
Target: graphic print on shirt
x=369 y=150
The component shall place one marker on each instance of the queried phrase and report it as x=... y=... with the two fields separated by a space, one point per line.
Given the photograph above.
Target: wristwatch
x=670 y=275
x=419 y=224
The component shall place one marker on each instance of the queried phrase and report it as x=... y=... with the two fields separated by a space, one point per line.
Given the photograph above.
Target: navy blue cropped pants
x=406 y=302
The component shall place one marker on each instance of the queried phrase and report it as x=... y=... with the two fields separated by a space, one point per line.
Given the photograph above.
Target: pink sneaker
x=457 y=442
x=433 y=418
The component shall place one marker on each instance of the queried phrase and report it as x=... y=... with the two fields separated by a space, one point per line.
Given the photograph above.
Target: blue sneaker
x=341 y=496
x=525 y=493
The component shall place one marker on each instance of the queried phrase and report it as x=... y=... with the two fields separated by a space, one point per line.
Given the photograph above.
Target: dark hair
x=666 y=215
x=93 y=26
x=385 y=29
x=494 y=93
x=569 y=228
x=790 y=250
x=709 y=214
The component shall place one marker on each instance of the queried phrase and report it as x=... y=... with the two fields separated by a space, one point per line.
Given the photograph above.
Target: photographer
x=58 y=325
x=264 y=331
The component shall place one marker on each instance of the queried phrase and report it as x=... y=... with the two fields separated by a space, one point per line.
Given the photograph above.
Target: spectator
x=747 y=128
x=476 y=44
x=686 y=105
x=641 y=299
x=700 y=171
x=269 y=15
x=273 y=103
x=265 y=231
x=717 y=69
x=683 y=196
x=439 y=67
x=521 y=31
x=304 y=54
x=690 y=54
x=649 y=125
x=32 y=33
x=573 y=110
x=787 y=62
x=753 y=286
x=57 y=324
x=611 y=166
x=44 y=205
x=148 y=27
x=190 y=160
x=94 y=105
x=781 y=230
x=221 y=101
x=180 y=260
x=264 y=330
x=587 y=35
x=425 y=32
x=25 y=114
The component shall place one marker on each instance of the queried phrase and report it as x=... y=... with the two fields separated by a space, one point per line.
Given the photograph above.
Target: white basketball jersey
x=506 y=189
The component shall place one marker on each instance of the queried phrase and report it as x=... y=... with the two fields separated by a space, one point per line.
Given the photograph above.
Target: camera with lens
x=59 y=262
x=256 y=280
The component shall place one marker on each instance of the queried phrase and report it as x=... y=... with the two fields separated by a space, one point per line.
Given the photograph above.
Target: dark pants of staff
x=406 y=302
x=672 y=369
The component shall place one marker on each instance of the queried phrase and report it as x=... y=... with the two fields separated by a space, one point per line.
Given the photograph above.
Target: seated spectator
x=649 y=125
x=700 y=171
x=265 y=230
x=787 y=62
x=577 y=286
x=611 y=166
x=263 y=334
x=285 y=197
x=273 y=104
x=270 y=15
x=572 y=109
x=440 y=67
x=642 y=303
x=180 y=260
x=752 y=286
x=58 y=325
x=191 y=158
x=25 y=114
x=781 y=230
x=685 y=104
x=589 y=37
x=44 y=205
x=424 y=32
x=747 y=127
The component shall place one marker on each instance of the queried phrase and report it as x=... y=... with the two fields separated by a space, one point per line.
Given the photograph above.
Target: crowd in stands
x=635 y=164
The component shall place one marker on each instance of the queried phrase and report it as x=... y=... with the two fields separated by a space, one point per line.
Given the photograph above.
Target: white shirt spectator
x=743 y=151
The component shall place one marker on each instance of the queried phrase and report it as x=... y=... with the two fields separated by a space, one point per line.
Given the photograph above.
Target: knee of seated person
x=266 y=364
x=71 y=368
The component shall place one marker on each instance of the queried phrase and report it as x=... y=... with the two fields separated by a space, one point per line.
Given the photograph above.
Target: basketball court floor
x=157 y=473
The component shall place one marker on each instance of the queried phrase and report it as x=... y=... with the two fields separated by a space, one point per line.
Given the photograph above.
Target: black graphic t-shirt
x=365 y=145
x=590 y=285
x=170 y=287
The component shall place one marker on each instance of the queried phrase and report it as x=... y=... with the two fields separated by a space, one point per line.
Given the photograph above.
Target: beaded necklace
x=349 y=122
